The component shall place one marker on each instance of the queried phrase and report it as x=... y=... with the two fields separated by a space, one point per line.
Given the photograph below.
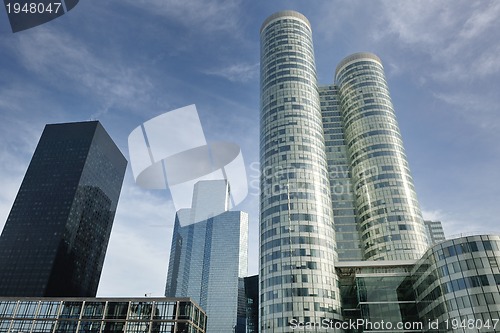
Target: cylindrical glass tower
x=389 y=217
x=297 y=241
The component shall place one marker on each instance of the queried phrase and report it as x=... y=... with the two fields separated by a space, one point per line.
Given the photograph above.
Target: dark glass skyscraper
x=57 y=232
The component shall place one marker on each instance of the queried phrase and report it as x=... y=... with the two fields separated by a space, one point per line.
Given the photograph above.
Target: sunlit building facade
x=390 y=223
x=297 y=237
x=435 y=231
x=208 y=257
x=341 y=232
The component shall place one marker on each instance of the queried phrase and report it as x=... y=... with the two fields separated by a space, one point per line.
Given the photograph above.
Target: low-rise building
x=101 y=315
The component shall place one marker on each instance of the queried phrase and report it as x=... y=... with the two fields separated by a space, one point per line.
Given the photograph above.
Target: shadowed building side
x=56 y=235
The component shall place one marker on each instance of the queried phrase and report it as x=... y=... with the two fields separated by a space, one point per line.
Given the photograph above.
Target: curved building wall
x=297 y=238
x=389 y=218
x=457 y=285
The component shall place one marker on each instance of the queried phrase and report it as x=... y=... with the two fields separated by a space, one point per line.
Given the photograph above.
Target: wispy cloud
x=481 y=20
x=237 y=72
x=478 y=108
x=207 y=16
x=140 y=264
x=451 y=224
x=460 y=37
x=139 y=244
x=62 y=60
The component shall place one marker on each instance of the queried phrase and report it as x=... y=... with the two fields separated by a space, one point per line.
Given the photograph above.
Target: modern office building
x=454 y=287
x=388 y=215
x=297 y=236
x=57 y=232
x=377 y=291
x=376 y=213
x=457 y=285
x=435 y=231
x=101 y=315
x=341 y=233
x=208 y=257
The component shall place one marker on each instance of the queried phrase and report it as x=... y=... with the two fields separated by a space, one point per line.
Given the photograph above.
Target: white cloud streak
x=64 y=61
x=140 y=244
x=207 y=16
x=237 y=72
x=460 y=37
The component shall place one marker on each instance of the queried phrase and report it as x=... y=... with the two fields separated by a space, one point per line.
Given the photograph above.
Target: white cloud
x=65 y=61
x=137 y=266
x=488 y=63
x=139 y=246
x=449 y=222
x=418 y=23
x=237 y=72
x=460 y=37
x=481 y=20
x=478 y=108
x=207 y=16
x=433 y=215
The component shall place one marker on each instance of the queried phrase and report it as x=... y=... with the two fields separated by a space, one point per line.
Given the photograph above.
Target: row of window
x=296 y=253
x=98 y=310
x=348 y=71
x=18 y=326
x=285 y=230
x=285 y=241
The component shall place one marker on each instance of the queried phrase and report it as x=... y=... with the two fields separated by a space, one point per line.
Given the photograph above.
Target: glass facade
x=388 y=214
x=208 y=259
x=376 y=292
x=435 y=231
x=454 y=287
x=252 y=303
x=346 y=227
x=56 y=235
x=457 y=285
x=335 y=154
x=101 y=315
x=297 y=237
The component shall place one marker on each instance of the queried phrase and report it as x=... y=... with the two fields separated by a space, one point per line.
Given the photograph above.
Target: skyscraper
x=57 y=232
x=297 y=238
x=208 y=257
x=388 y=215
x=335 y=182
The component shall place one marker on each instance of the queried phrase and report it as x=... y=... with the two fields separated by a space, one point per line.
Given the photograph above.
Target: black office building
x=57 y=232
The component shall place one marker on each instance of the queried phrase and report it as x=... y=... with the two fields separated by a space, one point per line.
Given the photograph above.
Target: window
x=117 y=310
x=93 y=310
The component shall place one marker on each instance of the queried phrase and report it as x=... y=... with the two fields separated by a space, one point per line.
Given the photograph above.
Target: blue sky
x=124 y=62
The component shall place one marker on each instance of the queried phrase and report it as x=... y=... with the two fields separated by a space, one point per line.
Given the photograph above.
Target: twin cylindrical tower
x=298 y=281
